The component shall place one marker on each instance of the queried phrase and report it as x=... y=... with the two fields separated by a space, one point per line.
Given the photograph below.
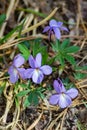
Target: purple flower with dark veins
x=55 y=28
x=63 y=97
x=14 y=71
x=37 y=72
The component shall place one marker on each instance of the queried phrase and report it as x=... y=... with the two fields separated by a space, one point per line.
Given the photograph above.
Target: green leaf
x=65 y=43
x=72 y=49
x=21 y=27
x=24 y=50
x=27 y=44
x=2 y=18
x=61 y=69
x=51 y=60
x=40 y=48
x=80 y=68
x=61 y=59
x=80 y=126
x=23 y=85
x=23 y=93
x=26 y=102
x=36 y=46
x=2 y=87
x=26 y=85
x=85 y=103
x=63 y=51
x=33 y=98
x=45 y=58
x=70 y=59
x=56 y=46
x=16 y=102
x=41 y=95
x=62 y=62
x=79 y=75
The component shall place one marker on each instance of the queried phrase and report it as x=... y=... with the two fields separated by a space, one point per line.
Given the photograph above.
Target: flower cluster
x=55 y=28
x=36 y=72
x=63 y=97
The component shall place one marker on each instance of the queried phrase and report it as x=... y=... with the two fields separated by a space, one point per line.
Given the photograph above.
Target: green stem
x=33 y=12
x=40 y=14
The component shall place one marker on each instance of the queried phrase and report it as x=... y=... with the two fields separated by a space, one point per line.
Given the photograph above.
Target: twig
x=61 y=126
x=9 y=11
x=8 y=104
x=17 y=117
x=38 y=24
x=54 y=121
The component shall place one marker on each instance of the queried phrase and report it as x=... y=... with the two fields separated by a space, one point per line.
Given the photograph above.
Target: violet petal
x=38 y=60
x=13 y=74
x=53 y=23
x=21 y=72
x=54 y=99
x=46 y=69
x=59 y=24
x=58 y=86
x=64 y=29
x=29 y=73
x=64 y=100
x=72 y=92
x=46 y=29
x=18 y=60
x=10 y=70
x=32 y=61
x=37 y=76
x=57 y=33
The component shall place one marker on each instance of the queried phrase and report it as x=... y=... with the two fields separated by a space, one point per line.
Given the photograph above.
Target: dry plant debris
x=33 y=15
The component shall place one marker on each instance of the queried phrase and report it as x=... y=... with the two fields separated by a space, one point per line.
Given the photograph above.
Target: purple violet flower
x=14 y=71
x=37 y=72
x=55 y=28
x=63 y=97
